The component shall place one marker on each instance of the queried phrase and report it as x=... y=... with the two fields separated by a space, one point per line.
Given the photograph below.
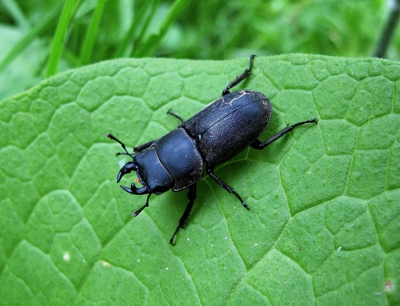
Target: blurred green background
x=41 y=38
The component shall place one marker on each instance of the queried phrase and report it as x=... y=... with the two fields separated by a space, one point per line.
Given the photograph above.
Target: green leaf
x=325 y=213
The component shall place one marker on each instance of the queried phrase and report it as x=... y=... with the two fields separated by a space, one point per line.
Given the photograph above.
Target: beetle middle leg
x=240 y=78
x=210 y=172
x=261 y=145
x=186 y=213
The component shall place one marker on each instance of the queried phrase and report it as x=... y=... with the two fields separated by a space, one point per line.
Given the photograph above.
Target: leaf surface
x=325 y=212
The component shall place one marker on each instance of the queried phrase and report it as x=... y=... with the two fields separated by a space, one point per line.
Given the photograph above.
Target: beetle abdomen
x=229 y=125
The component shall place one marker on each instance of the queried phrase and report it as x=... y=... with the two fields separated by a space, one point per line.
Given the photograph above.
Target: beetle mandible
x=213 y=136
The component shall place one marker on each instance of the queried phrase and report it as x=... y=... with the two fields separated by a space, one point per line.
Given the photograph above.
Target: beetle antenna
x=170 y=112
x=112 y=137
x=143 y=207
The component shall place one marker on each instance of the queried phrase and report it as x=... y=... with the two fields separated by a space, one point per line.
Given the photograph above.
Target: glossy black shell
x=171 y=161
x=214 y=135
x=229 y=125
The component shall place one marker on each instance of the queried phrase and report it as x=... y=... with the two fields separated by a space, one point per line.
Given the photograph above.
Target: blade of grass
x=389 y=29
x=151 y=10
x=137 y=29
x=60 y=35
x=91 y=34
x=30 y=37
x=16 y=13
x=153 y=41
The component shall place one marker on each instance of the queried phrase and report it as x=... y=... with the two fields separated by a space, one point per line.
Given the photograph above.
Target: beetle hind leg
x=261 y=145
x=186 y=213
x=240 y=78
x=210 y=172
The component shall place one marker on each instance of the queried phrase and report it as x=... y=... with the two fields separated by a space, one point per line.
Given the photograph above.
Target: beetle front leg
x=210 y=172
x=143 y=207
x=186 y=213
x=261 y=145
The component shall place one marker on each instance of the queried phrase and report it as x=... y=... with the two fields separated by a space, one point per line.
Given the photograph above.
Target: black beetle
x=213 y=136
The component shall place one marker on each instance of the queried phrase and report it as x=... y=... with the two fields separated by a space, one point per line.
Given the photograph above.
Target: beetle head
x=150 y=172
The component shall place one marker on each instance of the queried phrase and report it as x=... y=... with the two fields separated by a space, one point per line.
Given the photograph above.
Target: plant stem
x=388 y=30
